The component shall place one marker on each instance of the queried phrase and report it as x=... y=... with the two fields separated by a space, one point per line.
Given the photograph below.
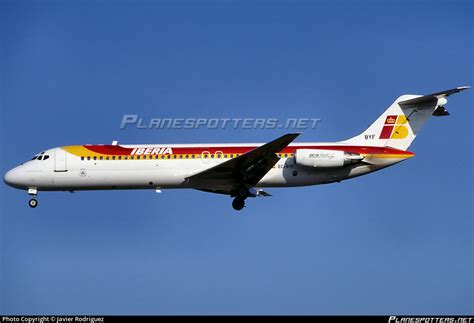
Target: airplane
x=238 y=170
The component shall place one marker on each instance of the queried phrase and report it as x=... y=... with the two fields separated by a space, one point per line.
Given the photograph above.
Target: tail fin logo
x=394 y=127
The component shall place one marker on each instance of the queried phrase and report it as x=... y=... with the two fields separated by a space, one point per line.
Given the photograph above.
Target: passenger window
x=88 y=158
x=95 y=157
x=82 y=158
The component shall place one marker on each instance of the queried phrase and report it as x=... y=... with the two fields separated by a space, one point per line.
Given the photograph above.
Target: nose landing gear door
x=60 y=160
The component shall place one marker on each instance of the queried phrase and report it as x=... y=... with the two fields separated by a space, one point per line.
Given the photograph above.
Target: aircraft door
x=60 y=160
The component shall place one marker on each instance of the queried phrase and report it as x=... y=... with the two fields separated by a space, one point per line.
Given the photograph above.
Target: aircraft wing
x=247 y=169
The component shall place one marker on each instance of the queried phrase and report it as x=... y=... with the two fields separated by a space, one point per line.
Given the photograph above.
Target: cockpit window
x=41 y=156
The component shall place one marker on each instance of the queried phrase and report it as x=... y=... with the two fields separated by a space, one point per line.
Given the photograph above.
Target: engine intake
x=325 y=158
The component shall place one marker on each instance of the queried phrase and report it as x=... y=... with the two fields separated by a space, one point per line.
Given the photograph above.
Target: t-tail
x=399 y=125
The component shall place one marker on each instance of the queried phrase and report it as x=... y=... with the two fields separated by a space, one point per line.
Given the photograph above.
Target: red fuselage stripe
x=118 y=150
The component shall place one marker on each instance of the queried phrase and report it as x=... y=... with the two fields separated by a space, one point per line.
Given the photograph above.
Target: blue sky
x=396 y=241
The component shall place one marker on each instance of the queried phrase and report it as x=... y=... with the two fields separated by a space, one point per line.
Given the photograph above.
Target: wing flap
x=231 y=192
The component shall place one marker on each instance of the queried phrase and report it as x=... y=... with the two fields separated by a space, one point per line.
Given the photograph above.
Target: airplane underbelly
x=142 y=178
x=147 y=176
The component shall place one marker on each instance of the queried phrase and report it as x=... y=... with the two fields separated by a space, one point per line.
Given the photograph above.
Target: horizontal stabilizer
x=432 y=98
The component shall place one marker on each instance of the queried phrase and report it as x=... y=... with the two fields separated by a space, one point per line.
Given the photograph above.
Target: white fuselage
x=101 y=167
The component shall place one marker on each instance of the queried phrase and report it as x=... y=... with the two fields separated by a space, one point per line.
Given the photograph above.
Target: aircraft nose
x=13 y=177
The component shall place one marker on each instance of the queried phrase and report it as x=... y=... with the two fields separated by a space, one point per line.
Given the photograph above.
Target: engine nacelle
x=325 y=158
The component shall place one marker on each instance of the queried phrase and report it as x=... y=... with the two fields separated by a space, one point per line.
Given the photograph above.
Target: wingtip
x=465 y=87
x=296 y=134
x=291 y=136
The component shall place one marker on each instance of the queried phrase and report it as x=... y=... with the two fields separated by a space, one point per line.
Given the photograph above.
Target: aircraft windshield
x=40 y=156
